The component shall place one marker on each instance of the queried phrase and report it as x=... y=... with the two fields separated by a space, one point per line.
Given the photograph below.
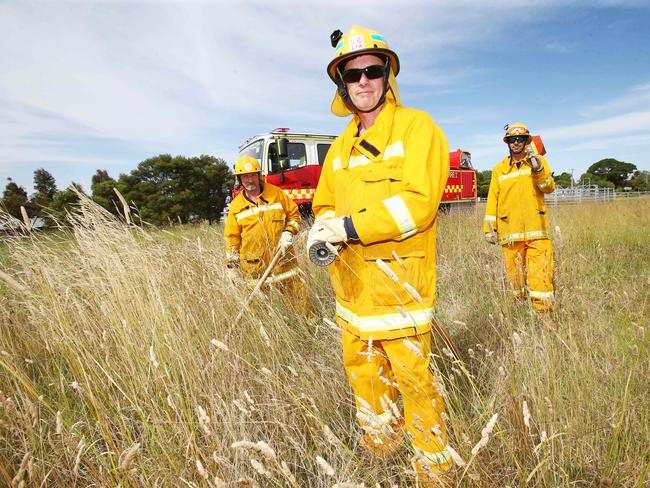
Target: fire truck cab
x=293 y=161
x=461 y=183
x=290 y=160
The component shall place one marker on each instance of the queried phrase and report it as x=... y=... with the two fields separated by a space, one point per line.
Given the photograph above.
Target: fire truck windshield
x=296 y=153
x=254 y=150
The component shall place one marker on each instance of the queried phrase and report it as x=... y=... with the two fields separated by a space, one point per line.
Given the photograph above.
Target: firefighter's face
x=517 y=147
x=365 y=93
x=250 y=182
x=517 y=144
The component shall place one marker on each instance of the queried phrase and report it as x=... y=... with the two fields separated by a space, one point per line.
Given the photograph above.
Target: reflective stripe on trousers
x=529 y=266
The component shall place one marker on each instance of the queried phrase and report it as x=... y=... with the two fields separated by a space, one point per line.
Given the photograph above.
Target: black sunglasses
x=513 y=139
x=372 y=72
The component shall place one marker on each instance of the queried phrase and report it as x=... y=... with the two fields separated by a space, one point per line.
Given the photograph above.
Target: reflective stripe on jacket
x=515 y=206
x=390 y=181
x=253 y=230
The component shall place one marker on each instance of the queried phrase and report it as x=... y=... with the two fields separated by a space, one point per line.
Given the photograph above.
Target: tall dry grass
x=120 y=364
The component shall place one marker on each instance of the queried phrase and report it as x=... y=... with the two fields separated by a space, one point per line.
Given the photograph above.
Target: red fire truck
x=293 y=161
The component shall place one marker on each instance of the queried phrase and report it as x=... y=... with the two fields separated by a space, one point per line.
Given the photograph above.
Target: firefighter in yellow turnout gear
x=261 y=219
x=377 y=201
x=516 y=218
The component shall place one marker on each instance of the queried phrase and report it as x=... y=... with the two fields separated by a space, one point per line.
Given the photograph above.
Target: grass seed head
x=202 y=471
x=219 y=345
x=387 y=271
x=127 y=457
x=526 y=414
x=412 y=291
x=325 y=466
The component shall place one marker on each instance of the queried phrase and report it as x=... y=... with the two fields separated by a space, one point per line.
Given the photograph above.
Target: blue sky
x=92 y=85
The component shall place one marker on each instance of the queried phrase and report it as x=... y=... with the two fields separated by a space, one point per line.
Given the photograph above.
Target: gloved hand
x=234 y=275
x=534 y=160
x=286 y=240
x=327 y=230
x=232 y=259
x=491 y=237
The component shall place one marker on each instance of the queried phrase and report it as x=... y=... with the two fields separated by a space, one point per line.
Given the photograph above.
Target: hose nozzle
x=321 y=254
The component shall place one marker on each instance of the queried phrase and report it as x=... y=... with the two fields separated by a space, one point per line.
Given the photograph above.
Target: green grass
x=109 y=371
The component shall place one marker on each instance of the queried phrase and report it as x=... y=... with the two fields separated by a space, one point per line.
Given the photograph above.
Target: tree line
x=167 y=188
x=606 y=173
x=162 y=189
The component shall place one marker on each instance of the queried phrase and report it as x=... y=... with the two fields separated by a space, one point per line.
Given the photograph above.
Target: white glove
x=327 y=230
x=491 y=237
x=286 y=239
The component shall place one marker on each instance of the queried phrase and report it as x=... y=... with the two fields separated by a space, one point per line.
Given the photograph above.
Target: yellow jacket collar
x=373 y=143
x=240 y=202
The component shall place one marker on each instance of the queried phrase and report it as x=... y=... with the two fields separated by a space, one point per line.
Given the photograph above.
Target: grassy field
x=121 y=364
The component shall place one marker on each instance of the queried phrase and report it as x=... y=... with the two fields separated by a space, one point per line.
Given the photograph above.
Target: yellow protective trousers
x=295 y=295
x=380 y=370
x=529 y=266
x=287 y=281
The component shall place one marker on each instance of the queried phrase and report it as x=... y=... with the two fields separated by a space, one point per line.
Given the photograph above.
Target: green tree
x=640 y=181
x=564 y=180
x=166 y=188
x=483 y=182
x=44 y=183
x=591 y=179
x=102 y=190
x=45 y=187
x=613 y=170
x=13 y=198
x=65 y=201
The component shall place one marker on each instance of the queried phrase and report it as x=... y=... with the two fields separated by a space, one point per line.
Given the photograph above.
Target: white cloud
x=636 y=98
x=624 y=136
x=627 y=123
x=612 y=143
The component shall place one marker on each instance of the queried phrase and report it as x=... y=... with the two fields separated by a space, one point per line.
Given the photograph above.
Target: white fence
x=589 y=193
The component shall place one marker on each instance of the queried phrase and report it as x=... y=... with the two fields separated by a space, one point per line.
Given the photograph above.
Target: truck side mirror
x=283 y=155
x=283 y=150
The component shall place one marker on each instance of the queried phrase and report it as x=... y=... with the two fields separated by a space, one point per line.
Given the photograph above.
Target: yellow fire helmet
x=516 y=129
x=247 y=164
x=356 y=42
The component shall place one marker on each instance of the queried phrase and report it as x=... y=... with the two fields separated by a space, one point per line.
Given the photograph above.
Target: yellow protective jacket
x=515 y=206
x=390 y=181
x=252 y=232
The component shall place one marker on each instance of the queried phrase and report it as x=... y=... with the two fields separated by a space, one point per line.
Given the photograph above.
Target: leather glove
x=286 y=240
x=491 y=237
x=234 y=275
x=232 y=259
x=534 y=160
x=328 y=230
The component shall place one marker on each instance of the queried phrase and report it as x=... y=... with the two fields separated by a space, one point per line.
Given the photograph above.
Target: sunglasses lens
x=514 y=139
x=352 y=75
x=372 y=73
x=375 y=71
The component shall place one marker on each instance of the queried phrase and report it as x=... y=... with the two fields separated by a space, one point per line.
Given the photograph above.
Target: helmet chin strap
x=343 y=91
